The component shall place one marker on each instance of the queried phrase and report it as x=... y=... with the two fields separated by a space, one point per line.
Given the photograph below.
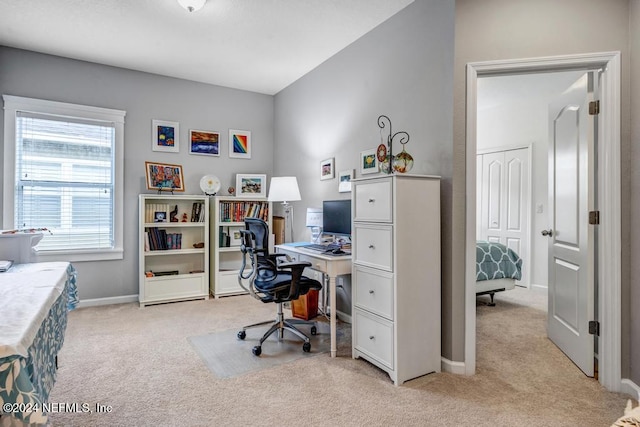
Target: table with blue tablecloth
x=34 y=302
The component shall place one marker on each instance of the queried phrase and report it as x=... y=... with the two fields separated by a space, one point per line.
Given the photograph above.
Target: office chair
x=271 y=281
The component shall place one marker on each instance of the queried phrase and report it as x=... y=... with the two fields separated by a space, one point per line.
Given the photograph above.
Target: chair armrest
x=274 y=257
x=296 y=274
x=294 y=265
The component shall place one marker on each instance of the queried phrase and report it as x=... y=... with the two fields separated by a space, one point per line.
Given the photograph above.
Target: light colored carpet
x=227 y=356
x=140 y=362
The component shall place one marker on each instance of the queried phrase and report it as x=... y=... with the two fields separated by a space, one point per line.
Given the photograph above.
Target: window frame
x=13 y=104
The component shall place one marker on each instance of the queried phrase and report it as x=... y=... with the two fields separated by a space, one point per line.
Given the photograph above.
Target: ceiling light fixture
x=192 y=5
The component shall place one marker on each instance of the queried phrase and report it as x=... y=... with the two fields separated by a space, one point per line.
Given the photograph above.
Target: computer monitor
x=336 y=217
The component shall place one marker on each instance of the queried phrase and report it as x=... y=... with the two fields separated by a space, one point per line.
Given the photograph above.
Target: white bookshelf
x=171 y=267
x=227 y=218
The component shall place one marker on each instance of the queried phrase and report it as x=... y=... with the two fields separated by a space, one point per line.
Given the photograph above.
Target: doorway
x=608 y=199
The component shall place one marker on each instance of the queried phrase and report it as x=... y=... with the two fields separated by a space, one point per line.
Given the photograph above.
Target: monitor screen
x=336 y=217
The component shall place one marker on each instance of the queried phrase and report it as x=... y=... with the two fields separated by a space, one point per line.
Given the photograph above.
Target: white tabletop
x=27 y=292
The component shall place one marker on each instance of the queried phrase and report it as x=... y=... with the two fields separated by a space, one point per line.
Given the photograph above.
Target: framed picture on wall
x=164 y=176
x=368 y=162
x=239 y=144
x=251 y=185
x=165 y=136
x=204 y=142
x=344 y=180
x=326 y=169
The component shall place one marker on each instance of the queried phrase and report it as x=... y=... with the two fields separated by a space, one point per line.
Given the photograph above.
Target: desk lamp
x=285 y=189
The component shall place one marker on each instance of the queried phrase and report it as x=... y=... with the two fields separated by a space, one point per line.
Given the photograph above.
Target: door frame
x=608 y=181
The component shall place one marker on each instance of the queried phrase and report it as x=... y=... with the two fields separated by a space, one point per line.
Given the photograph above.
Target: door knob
x=548 y=233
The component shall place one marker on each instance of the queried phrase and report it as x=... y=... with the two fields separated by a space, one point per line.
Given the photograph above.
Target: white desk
x=331 y=266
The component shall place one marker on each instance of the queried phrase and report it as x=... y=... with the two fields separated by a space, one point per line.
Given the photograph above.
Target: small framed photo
x=239 y=144
x=164 y=177
x=344 y=181
x=251 y=185
x=368 y=162
x=160 y=216
x=204 y=142
x=165 y=136
x=326 y=169
x=235 y=237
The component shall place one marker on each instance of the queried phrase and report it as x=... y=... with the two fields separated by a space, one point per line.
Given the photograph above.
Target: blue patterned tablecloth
x=25 y=381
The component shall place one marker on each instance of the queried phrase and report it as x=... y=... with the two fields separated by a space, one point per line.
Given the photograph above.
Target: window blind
x=65 y=180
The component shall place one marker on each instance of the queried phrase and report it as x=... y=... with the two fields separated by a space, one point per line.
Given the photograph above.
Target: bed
x=497 y=268
x=35 y=301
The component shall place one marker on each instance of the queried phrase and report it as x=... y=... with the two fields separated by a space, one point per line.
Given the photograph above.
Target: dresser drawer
x=373 y=246
x=373 y=201
x=374 y=337
x=373 y=291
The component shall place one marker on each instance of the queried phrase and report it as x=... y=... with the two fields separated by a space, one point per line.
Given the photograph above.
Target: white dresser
x=396 y=274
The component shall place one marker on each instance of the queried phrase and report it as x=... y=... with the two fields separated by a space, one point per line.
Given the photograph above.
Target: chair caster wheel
x=242 y=335
x=257 y=350
x=314 y=330
x=306 y=347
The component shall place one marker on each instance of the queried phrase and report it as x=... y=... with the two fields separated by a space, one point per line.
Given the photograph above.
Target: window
x=63 y=172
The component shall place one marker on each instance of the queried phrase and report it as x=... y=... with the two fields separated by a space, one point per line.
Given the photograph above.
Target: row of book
x=238 y=211
x=197 y=212
x=156 y=239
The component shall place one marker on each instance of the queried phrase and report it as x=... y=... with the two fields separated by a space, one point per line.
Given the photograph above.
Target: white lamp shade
x=192 y=5
x=284 y=189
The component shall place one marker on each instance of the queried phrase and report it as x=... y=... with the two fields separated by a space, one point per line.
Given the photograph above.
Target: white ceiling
x=257 y=45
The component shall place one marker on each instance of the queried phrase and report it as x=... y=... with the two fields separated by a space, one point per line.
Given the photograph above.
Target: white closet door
x=504 y=201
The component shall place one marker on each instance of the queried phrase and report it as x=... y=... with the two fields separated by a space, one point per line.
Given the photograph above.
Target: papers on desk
x=296 y=244
x=5 y=265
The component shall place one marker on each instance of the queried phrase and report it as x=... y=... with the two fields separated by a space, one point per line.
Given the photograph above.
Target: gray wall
x=508 y=29
x=144 y=97
x=403 y=69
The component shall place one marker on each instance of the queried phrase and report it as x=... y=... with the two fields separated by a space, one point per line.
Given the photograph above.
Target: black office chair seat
x=272 y=282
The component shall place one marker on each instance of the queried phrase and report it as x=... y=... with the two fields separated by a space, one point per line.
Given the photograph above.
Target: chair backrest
x=255 y=245
x=260 y=232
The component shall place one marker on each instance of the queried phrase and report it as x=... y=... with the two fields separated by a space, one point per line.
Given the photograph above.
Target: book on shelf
x=197 y=212
x=160 y=240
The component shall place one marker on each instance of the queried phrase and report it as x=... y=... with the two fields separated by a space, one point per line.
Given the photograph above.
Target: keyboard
x=321 y=248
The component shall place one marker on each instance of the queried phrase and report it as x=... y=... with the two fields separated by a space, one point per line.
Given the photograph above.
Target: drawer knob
x=371 y=246
x=372 y=200
x=371 y=291
x=371 y=337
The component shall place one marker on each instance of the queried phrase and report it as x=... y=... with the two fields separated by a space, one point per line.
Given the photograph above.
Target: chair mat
x=227 y=356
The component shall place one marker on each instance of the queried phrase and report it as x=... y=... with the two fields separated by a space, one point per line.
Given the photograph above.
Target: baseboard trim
x=539 y=287
x=452 y=367
x=629 y=387
x=107 y=301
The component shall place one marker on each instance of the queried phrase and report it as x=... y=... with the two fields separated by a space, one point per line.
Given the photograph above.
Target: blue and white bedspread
x=496 y=261
x=33 y=314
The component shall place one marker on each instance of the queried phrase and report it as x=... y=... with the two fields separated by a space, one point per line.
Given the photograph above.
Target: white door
x=571 y=253
x=504 y=200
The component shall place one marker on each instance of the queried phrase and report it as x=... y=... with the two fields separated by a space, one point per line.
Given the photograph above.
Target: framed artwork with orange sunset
x=239 y=144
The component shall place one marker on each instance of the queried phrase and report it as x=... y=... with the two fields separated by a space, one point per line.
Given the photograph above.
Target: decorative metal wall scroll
x=390 y=163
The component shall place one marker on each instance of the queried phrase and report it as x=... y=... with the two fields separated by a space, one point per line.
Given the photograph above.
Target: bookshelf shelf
x=227 y=215
x=173 y=224
x=173 y=252
x=170 y=267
